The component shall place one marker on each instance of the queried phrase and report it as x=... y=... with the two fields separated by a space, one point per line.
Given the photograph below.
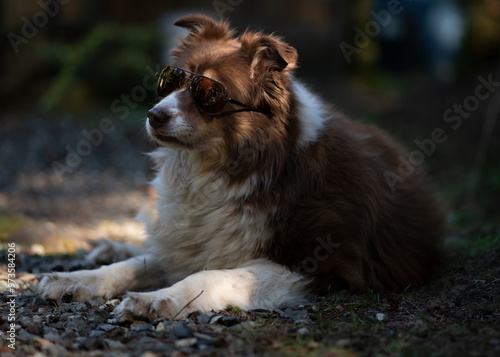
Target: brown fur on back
x=376 y=237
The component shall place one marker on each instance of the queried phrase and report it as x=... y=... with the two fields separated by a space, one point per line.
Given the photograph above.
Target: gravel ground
x=456 y=314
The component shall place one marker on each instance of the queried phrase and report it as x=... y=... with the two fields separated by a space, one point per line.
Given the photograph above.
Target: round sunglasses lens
x=209 y=95
x=169 y=79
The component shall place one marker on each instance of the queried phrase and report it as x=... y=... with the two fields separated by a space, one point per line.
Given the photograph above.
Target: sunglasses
x=209 y=95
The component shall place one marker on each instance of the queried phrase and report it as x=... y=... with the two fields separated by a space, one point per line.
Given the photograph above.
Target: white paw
x=153 y=305
x=108 y=252
x=81 y=285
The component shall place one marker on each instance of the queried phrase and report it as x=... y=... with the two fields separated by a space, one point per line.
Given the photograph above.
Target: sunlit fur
x=274 y=206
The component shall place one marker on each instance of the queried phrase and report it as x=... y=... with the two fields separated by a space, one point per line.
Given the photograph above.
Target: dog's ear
x=204 y=27
x=268 y=53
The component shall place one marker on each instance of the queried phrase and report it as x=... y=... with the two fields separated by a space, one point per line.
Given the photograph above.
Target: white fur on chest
x=200 y=224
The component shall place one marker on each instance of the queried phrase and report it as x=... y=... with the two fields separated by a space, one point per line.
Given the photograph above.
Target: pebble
x=295 y=315
x=302 y=322
x=204 y=340
x=143 y=327
x=160 y=327
x=53 y=337
x=112 y=344
x=96 y=302
x=205 y=318
x=74 y=306
x=76 y=323
x=228 y=321
x=81 y=306
x=215 y=320
x=65 y=316
x=303 y=331
x=203 y=337
x=24 y=321
x=380 y=316
x=97 y=333
x=106 y=327
x=181 y=330
x=96 y=317
x=186 y=342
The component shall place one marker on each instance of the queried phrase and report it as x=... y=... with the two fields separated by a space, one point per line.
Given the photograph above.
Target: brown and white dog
x=259 y=210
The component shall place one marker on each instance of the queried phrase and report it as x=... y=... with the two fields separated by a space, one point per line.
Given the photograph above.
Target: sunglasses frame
x=196 y=77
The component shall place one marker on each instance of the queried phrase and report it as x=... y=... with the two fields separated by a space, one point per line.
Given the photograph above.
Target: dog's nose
x=158 y=117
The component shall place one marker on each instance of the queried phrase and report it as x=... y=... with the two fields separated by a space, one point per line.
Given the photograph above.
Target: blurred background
x=76 y=83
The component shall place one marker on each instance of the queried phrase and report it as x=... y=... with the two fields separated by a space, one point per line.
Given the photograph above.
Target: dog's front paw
x=151 y=306
x=80 y=285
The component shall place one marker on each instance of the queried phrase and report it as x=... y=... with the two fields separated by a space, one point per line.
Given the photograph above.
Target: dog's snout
x=158 y=117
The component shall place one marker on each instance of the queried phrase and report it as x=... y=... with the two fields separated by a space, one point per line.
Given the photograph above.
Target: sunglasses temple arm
x=230 y=100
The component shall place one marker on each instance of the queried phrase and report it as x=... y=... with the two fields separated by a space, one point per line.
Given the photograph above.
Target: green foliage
x=482 y=242
x=234 y=310
x=101 y=66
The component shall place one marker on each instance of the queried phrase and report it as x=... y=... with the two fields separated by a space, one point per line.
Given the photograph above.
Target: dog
x=265 y=196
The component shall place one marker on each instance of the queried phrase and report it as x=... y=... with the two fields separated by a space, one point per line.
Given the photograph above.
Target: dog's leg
x=108 y=252
x=108 y=281
x=260 y=284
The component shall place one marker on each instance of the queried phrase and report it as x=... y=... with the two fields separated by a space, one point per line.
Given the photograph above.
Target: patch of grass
x=372 y=297
x=473 y=244
x=482 y=242
x=234 y=310
x=357 y=320
x=343 y=312
x=333 y=299
x=368 y=300
x=272 y=339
